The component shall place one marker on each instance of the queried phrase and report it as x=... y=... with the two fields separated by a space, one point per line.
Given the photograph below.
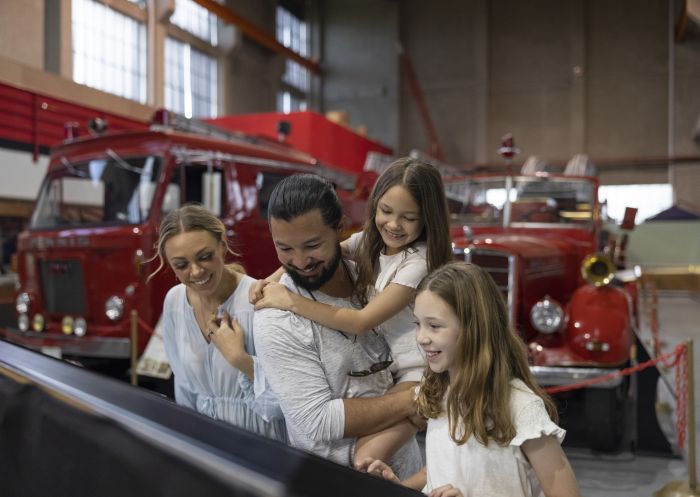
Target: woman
x=207 y=324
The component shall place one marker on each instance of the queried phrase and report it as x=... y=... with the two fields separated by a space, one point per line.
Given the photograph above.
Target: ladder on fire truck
x=164 y=120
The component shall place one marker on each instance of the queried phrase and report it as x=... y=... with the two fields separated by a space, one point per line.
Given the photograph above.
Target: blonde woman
x=207 y=324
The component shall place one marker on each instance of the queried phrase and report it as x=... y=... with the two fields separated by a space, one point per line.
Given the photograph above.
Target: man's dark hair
x=300 y=193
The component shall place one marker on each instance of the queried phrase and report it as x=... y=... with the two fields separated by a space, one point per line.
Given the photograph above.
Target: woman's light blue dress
x=205 y=380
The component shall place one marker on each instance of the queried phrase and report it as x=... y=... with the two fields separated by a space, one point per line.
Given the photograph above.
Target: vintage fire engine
x=83 y=263
x=539 y=236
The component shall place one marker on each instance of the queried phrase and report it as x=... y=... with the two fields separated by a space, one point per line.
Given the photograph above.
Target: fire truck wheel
x=605 y=416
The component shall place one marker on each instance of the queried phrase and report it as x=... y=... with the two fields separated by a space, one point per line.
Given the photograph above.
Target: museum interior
x=565 y=139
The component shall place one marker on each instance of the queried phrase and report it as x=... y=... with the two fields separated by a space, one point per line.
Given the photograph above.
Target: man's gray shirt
x=307 y=365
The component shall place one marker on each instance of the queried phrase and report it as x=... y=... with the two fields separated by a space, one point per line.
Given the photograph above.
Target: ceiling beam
x=257 y=34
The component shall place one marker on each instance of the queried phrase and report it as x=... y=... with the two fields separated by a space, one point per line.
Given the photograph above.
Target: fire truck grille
x=62 y=281
x=501 y=267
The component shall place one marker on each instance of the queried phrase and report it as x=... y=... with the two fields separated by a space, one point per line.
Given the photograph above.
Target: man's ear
x=341 y=224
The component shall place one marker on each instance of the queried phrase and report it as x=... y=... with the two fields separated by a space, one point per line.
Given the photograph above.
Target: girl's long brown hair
x=489 y=355
x=424 y=183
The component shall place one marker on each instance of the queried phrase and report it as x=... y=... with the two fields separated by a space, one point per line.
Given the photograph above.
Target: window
x=109 y=50
x=205 y=185
x=191 y=69
x=293 y=33
x=197 y=20
x=648 y=199
x=190 y=80
x=100 y=192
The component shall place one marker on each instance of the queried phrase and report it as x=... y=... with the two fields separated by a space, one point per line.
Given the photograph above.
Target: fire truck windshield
x=542 y=200
x=105 y=191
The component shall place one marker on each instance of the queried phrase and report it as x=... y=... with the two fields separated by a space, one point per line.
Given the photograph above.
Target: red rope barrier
x=681 y=396
x=148 y=328
x=622 y=372
x=678 y=355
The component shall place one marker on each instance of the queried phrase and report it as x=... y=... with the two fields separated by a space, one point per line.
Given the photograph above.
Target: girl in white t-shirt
x=490 y=429
x=405 y=236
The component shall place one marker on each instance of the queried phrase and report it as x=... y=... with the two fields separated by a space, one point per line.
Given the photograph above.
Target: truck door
x=251 y=187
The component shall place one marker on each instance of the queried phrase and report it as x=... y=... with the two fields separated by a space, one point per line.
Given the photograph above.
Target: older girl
x=491 y=429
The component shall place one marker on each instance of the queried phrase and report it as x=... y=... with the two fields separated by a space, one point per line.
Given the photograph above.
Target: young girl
x=490 y=429
x=406 y=236
x=212 y=359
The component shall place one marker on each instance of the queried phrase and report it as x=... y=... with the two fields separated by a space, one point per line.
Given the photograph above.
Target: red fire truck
x=539 y=236
x=84 y=261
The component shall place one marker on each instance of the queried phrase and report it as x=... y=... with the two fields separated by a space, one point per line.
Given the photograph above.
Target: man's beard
x=313 y=283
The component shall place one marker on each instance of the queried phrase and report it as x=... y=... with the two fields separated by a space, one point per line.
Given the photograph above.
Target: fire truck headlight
x=546 y=315
x=38 y=323
x=114 y=308
x=67 y=325
x=23 y=322
x=80 y=327
x=22 y=303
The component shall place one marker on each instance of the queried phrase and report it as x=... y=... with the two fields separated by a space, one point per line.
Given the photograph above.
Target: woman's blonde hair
x=424 y=183
x=489 y=354
x=190 y=217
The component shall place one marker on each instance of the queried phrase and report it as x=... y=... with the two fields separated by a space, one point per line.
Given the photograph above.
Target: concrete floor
x=632 y=474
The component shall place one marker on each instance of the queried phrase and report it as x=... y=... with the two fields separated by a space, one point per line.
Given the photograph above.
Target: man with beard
x=331 y=385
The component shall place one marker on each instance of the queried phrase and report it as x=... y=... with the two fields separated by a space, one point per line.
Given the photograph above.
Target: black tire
x=606 y=416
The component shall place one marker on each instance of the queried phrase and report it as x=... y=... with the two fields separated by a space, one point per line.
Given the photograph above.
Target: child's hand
x=445 y=491
x=418 y=421
x=255 y=292
x=275 y=295
x=376 y=467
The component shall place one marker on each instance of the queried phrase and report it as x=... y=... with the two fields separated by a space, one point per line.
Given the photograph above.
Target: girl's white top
x=494 y=470
x=204 y=379
x=406 y=268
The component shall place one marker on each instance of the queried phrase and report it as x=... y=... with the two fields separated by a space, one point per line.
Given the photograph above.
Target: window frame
x=128 y=9
x=195 y=42
x=284 y=87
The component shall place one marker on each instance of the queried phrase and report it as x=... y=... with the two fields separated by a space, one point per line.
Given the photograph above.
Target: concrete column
x=66 y=40
x=159 y=11
x=22 y=31
x=684 y=179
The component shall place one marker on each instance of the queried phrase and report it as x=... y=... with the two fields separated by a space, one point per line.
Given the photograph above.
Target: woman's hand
x=377 y=468
x=275 y=295
x=445 y=491
x=228 y=336
x=255 y=292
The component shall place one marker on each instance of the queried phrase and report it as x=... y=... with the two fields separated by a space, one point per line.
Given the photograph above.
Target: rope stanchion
x=690 y=400
x=682 y=396
x=686 y=413
x=134 y=345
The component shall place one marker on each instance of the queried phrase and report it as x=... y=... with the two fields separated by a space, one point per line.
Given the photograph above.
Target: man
x=306 y=364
